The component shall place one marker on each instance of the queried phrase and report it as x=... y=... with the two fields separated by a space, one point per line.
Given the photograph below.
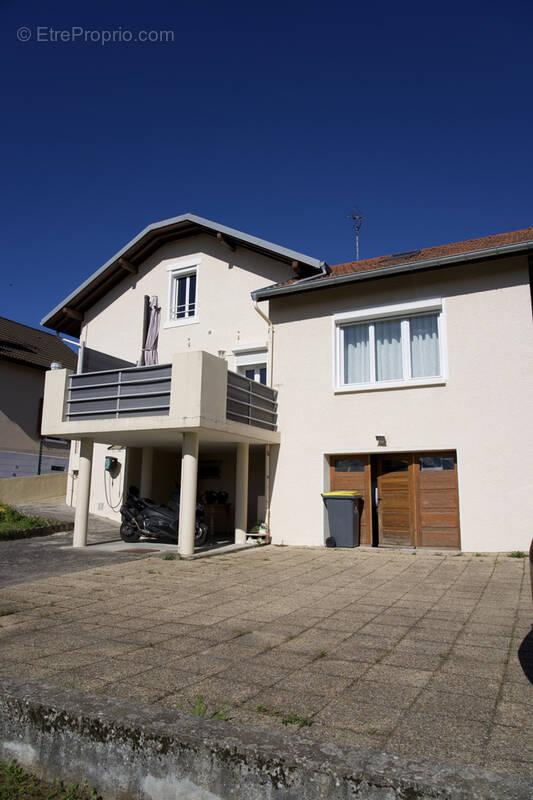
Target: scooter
x=142 y=517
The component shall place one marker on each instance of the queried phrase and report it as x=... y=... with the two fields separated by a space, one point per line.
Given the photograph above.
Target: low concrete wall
x=35 y=487
x=132 y=751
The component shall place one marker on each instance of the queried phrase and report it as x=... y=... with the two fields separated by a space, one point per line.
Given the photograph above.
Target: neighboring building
x=25 y=355
x=407 y=377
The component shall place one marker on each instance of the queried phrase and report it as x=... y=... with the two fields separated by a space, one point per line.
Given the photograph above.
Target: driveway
x=46 y=556
x=421 y=654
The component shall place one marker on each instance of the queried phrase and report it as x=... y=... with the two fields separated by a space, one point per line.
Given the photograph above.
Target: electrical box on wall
x=111 y=463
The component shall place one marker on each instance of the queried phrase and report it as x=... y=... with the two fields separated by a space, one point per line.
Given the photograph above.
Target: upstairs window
x=183 y=296
x=183 y=293
x=390 y=346
x=257 y=372
x=251 y=361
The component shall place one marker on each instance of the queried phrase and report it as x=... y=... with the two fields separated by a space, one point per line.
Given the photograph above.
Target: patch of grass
x=294 y=719
x=478 y=555
x=240 y=633
x=169 y=557
x=289 y=718
x=320 y=654
x=516 y=554
x=17 y=784
x=12 y=521
x=5 y=612
x=201 y=709
x=371 y=730
x=280 y=545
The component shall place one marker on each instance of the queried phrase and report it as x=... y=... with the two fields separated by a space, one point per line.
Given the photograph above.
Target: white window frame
x=402 y=311
x=182 y=268
x=257 y=372
x=253 y=355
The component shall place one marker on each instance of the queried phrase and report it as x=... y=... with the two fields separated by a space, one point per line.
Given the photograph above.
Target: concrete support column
x=241 y=492
x=147 y=465
x=82 y=497
x=189 y=479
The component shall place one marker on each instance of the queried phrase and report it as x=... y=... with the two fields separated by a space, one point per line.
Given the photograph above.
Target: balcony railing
x=119 y=393
x=145 y=391
x=251 y=402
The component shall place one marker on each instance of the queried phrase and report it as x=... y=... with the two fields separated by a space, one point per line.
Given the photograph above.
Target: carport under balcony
x=192 y=400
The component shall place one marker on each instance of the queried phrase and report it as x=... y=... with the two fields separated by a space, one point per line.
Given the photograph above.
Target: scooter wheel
x=128 y=533
x=201 y=533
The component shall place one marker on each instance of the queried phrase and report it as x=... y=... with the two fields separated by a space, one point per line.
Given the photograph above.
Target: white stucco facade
x=482 y=410
x=479 y=407
x=226 y=322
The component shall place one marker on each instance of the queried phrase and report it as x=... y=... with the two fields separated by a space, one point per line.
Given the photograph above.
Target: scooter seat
x=160 y=511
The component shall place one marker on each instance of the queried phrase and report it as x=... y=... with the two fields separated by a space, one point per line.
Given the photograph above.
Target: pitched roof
x=440 y=251
x=33 y=347
x=67 y=317
x=440 y=255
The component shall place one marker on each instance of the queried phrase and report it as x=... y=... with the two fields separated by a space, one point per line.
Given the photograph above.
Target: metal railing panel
x=127 y=392
x=250 y=402
x=145 y=391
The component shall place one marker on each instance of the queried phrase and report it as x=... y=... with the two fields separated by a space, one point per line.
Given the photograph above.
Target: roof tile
x=440 y=251
x=33 y=347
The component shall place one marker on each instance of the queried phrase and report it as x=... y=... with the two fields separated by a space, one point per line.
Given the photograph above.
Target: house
x=25 y=355
x=407 y=378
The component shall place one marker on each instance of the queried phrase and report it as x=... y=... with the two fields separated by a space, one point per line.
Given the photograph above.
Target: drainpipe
x=271 y=375
x=270 y=339
x=324 y=270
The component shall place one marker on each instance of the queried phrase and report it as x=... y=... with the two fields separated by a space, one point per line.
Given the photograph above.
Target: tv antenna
x=357 y=220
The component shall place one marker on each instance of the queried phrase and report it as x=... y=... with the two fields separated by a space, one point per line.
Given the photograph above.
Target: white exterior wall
x=483 y=412
x=106 y=493
x=226 y=320
x=226 y=316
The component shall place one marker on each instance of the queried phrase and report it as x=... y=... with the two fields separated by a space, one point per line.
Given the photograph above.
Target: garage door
x=352 y=473
x=396 y=519
x=437 y=499
x=410 y=499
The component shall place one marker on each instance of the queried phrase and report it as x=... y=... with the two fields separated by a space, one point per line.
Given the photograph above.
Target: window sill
x=178 y=323
x=379 y=387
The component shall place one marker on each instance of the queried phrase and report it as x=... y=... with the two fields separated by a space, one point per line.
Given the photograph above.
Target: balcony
x=118 y=393
x=195 y=391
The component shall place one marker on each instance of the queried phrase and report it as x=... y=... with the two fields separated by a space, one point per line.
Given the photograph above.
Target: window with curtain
x=394 y=349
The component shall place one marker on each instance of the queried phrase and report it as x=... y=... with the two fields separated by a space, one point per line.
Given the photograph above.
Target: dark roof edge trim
x=243 y=238
x=474 y=255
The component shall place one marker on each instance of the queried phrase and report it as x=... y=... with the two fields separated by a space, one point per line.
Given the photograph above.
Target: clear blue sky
x=273 y=118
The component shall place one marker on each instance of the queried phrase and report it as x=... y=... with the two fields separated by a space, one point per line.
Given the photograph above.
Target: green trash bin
x=344 y=516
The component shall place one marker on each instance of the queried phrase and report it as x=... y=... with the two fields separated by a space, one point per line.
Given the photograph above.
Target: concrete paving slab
x=419 y=672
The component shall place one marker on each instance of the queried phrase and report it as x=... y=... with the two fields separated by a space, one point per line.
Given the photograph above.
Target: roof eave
x=51 y=320
x=475 y=255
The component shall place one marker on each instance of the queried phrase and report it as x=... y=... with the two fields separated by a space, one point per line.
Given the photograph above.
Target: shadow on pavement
x=525 y=656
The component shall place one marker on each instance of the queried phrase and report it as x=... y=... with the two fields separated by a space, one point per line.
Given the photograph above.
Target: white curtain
x=356 y=354
x=388 y=350
x=425 y=359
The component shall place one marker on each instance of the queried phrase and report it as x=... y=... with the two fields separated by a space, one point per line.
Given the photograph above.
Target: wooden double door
x=410 y=499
